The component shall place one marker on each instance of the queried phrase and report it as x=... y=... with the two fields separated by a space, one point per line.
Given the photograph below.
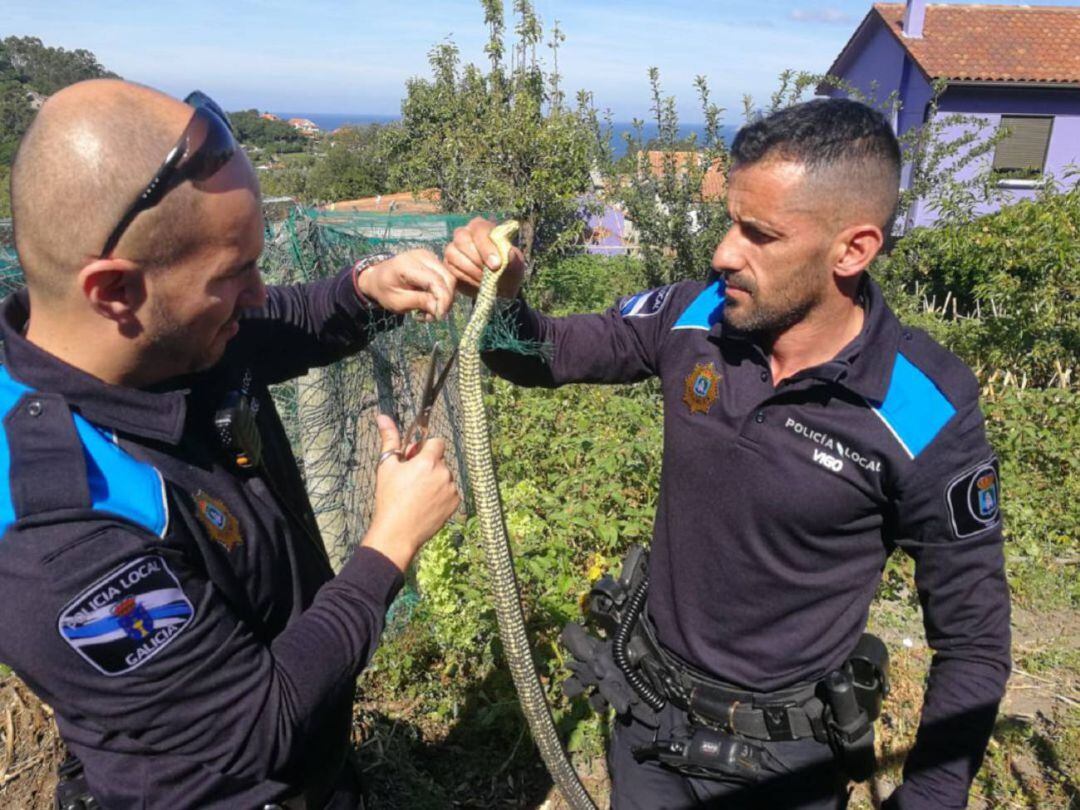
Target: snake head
x=502 y=236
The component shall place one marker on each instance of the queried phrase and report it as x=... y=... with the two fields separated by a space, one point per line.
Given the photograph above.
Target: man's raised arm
x=619 y=345
x=302 y=326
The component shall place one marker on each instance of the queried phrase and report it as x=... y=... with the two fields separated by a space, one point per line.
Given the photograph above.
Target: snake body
x=496 y=544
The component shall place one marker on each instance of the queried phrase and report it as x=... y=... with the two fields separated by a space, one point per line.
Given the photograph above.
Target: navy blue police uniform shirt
x=179 y=614
x=779 y=504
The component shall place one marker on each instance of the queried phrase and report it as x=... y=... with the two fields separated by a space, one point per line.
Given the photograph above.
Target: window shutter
x=1024 y=148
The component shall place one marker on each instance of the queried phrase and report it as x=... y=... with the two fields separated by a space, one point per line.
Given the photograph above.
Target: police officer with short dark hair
x=163 y=584
x=807 y=434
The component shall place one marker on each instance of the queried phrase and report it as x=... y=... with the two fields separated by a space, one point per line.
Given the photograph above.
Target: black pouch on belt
x=707 y=753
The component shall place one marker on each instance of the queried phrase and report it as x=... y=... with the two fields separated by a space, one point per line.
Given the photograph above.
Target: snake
x=487 y=504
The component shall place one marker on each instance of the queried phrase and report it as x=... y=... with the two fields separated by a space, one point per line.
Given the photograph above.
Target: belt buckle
x=778 y=723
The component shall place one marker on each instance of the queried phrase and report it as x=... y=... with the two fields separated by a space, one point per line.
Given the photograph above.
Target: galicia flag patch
x=644 y=304
x=127 y=617
x=974 y=499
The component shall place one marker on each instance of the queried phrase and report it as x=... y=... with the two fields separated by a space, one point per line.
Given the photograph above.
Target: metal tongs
x=413 y=437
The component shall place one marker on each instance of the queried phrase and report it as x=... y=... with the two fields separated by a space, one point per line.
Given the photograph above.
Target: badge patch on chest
x=973 y=499
x=220 y=523
x=699 y=390
x=128 y=617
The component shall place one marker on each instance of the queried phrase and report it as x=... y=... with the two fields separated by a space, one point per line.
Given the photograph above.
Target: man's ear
x=115 y=288
x=855 y=247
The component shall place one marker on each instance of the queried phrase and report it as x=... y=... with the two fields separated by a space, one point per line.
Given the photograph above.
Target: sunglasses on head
x=206 y=145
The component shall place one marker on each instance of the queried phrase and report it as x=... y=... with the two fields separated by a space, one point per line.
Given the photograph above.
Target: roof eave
x=1026 y=84
x=822 y=88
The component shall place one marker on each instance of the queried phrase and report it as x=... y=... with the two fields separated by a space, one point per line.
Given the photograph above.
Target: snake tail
x=496 y=543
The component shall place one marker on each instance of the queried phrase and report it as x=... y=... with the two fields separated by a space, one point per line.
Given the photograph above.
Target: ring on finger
x=385 y=454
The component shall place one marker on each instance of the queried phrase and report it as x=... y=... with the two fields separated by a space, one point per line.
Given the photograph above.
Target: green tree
x=253 y=130
x=354 y=165
x=5 y=192
x=678 y=226
x=16 y=113
x=47 y=69
x=351 y=162
x=501 y=139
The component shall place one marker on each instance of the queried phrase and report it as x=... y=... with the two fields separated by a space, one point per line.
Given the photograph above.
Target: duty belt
x=794 y=713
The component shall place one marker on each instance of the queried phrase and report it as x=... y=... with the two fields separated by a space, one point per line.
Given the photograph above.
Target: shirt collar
x=869 y=359
x=156 y=415
x=865 y=364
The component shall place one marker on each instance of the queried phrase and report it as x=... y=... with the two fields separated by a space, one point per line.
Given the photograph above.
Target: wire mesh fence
x=330 y=412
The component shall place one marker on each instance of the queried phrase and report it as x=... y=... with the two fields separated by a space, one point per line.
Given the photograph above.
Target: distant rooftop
x=404 y=202
x=712 y=183
x=983 y=43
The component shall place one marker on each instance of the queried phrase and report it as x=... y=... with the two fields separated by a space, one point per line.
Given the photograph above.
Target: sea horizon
x=328 y=122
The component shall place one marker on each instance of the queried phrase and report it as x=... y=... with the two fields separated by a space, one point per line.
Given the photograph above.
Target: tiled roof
x=712 y=183
x=404 y=202
x=993 y=43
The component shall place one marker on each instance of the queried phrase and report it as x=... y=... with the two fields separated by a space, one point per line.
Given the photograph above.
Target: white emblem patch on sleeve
x=127 y=617
x=974 y=499
x=644 y=304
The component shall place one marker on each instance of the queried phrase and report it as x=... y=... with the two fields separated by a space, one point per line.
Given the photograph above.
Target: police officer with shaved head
x=808 y=434
x=163 y=584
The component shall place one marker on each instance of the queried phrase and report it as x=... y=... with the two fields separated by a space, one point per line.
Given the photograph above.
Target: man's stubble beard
x=793 y=303
x=172 y=346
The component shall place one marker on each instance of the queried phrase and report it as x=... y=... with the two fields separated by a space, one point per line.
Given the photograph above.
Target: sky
x=353 y=56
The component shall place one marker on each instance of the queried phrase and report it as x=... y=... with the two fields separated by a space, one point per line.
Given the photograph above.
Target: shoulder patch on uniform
x=644 y=304
x=705 y=311
x=974 y=499
x=127 y=617
x=118 y=483
x=914 y=409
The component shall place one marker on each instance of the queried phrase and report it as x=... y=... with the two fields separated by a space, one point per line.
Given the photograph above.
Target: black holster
x=616 y=605
x=853 y=696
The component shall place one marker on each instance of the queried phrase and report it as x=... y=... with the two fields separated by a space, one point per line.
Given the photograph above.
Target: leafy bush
x=1002 y=291
x=1036 y=434
x=586 y=283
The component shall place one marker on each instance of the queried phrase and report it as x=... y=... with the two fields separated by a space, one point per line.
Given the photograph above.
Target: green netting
x=329 y=413
x=10 y=272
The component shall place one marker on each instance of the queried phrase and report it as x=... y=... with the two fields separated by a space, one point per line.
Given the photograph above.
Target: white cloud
x=828 y=14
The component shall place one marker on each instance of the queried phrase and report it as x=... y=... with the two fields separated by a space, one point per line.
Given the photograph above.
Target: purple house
x=1016 y=67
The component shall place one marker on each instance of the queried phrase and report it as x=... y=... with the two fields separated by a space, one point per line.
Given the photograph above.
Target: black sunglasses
x=206 y=145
